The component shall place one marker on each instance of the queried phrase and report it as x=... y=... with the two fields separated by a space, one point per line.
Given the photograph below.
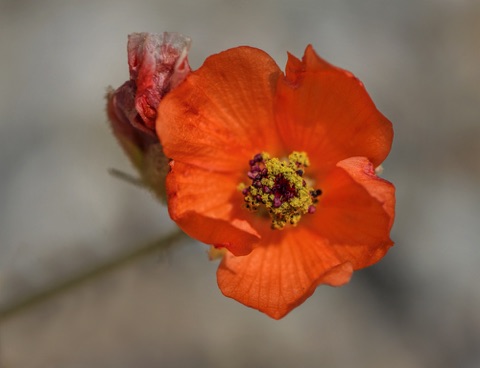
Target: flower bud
x=157 y=64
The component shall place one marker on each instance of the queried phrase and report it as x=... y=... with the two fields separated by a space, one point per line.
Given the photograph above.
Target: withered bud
x=157 y=64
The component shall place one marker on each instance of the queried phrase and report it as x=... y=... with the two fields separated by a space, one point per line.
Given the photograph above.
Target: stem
x=127 y=177
x=19 y=306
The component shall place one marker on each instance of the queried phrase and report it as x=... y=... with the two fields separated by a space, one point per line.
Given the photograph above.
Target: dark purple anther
x=311 y=209
x=277 y=202
x=252 y=175
x=299 y=172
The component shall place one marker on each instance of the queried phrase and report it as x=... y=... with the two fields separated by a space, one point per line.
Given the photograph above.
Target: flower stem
x=17 y=307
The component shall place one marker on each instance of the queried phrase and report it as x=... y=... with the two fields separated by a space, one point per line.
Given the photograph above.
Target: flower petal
x=157 y=63
x=327 y=112
x=222 y=111
x=355 y=212
x=283 y=272
x=363 y=172
x=208 y=207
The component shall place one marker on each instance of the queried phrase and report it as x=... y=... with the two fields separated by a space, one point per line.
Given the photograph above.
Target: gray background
x=61 y=213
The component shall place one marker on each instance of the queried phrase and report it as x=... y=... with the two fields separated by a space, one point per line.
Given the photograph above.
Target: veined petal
x=327 y=112
x=355 y=212
x=283 y=272
x=222 y=114
x=207 y=206
x=363 y=172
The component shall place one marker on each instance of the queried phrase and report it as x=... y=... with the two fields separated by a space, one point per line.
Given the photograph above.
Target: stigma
x=278 y=188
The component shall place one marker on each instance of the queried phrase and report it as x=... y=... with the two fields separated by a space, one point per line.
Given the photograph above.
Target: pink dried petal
x=158 y=63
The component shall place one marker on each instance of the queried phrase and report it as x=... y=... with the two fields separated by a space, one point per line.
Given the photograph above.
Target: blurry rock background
x=61 y=214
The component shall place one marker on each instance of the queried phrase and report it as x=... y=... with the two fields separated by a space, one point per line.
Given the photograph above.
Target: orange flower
x=279 y=170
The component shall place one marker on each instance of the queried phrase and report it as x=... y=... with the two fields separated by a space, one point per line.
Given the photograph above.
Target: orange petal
x=208 y=207
x=282 y=272
x=222 y=114
x=363 y=172
x=327 y=112
x=355 y=212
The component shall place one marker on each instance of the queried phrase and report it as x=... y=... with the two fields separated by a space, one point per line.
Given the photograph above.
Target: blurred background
x=62 y=214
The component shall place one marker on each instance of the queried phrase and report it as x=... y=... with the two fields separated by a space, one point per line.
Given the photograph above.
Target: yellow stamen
x=279 y=187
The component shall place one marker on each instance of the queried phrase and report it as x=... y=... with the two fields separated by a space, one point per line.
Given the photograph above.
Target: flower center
x=279 y=189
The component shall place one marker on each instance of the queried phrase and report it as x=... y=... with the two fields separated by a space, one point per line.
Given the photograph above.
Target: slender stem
x=127 y=177
x=16 y=307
